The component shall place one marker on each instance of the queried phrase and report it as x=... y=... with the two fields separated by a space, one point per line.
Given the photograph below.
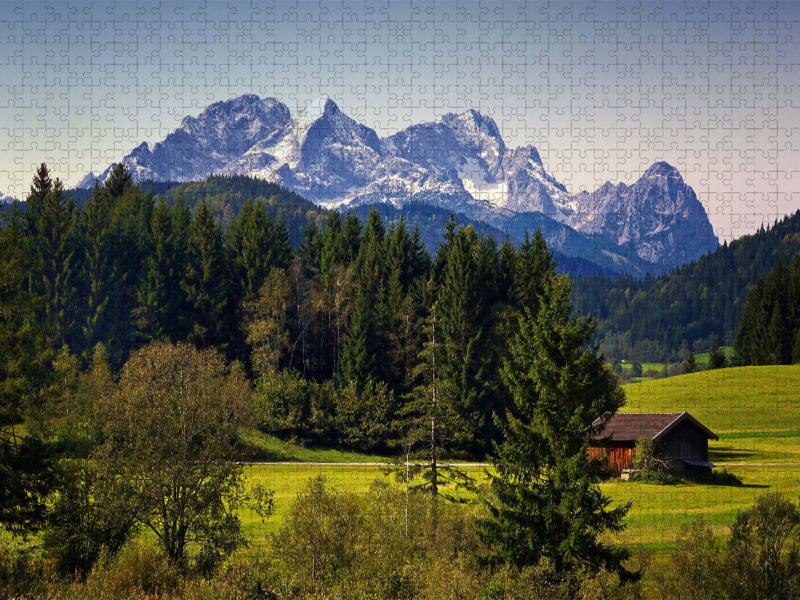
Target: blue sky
x=603 y=89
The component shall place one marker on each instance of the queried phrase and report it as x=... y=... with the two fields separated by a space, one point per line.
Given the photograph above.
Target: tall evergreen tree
x=205 y=282
x=462 y=297
x=546 y=502
x=431 y=420
x=716 y=356
x=690 y=364
x=162 y=301
x=360 y=355
x=532 y=269
x=49 y=222
x=26 y=467
x=249 y=240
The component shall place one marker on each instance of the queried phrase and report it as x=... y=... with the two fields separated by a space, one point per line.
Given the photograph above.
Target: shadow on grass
x=729 y=454
x=724 y=479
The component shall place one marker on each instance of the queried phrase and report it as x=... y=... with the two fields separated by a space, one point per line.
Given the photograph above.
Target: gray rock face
x=459 y=162
x=659 y=216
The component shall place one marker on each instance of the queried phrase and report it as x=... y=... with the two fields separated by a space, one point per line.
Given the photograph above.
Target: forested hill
x=431 y=223
x=225 y=196
x=663 y=318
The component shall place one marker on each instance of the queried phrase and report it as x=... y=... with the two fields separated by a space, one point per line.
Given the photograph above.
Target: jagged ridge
x=460 y=162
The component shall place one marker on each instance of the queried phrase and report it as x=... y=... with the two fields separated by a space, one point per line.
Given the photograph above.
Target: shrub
x=21 y=575
x=290 y=407
x=651 y=458
x=764 y=550
x=139 y=567
x=364 y=416
x=381 y=544
x=87 y=520
x=695 y=569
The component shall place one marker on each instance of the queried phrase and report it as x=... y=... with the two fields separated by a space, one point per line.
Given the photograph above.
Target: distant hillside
x=225 y=195
x=659 y=319
x=431 y=219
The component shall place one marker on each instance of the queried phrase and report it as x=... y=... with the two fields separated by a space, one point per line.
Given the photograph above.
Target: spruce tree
x=249 y=243
x=359 y=356
x=463 y=310
x=690 y=364
x=162 y=301
x=49 y=223
x=546 y=503
x=281 y=247
x=204 y=282
x=533 y=266
x=716 y=356
x=431 y=422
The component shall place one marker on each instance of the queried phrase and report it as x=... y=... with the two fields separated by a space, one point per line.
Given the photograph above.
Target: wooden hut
x=680 y=434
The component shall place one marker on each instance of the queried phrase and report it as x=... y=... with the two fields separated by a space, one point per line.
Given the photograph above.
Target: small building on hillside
x=680 y=434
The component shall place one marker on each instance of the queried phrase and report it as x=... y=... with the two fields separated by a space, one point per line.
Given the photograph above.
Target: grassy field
x=701 y=357
x=755 y=411
x=656 y=516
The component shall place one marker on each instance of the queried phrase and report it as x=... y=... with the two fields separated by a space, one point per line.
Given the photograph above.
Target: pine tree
x=431 y=421
x=281 y=248
x=204 y=282
x=463 y=310
x=162 y=301
x=546 y=502
x=49 y=222
x=690 y=364
x=309 y=251
x=359 y=358
x=716 y=356
x=27 y=469
x=533 y=266
x=351 y=238
x=249 y=243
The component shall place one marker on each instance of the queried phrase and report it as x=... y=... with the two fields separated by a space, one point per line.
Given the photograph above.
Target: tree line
x=136 y=328
x=769 y=332
x=662 y=319
x=351 y=309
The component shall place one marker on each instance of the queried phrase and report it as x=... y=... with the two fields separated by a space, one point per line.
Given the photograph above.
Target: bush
x=381 y=544
x=651 y=459
x=290 y=407
x=139 y=567
x=541 y=582
x=87 y=520
x=764 y=550
x=22 y=575
x=695 y=569
x=761 y=560
x=364 y=417
x=655 y=478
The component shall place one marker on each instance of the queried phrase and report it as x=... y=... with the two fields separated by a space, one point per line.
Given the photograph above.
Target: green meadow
x=754 y=410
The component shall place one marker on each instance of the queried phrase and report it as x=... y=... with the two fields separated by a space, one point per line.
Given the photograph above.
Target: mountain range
x=459 y=163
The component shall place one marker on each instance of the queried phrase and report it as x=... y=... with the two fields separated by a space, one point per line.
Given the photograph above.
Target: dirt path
x=359 y=464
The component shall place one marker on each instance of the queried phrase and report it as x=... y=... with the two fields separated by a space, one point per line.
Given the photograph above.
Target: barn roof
x=629 y=427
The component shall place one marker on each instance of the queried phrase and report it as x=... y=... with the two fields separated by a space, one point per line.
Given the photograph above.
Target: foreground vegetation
x=149 y=358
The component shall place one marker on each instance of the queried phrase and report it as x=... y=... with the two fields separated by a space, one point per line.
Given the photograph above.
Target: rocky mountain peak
x=458 y=162
x=662 y=168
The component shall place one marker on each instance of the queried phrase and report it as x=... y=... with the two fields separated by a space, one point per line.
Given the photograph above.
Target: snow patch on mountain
x=459 y=161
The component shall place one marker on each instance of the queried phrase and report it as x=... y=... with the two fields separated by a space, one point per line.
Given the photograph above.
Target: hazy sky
x=602 y=89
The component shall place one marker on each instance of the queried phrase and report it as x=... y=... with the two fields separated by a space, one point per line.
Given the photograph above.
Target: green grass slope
x=754 y=410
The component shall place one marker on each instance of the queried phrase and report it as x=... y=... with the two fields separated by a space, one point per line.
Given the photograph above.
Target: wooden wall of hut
x=618 y=458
